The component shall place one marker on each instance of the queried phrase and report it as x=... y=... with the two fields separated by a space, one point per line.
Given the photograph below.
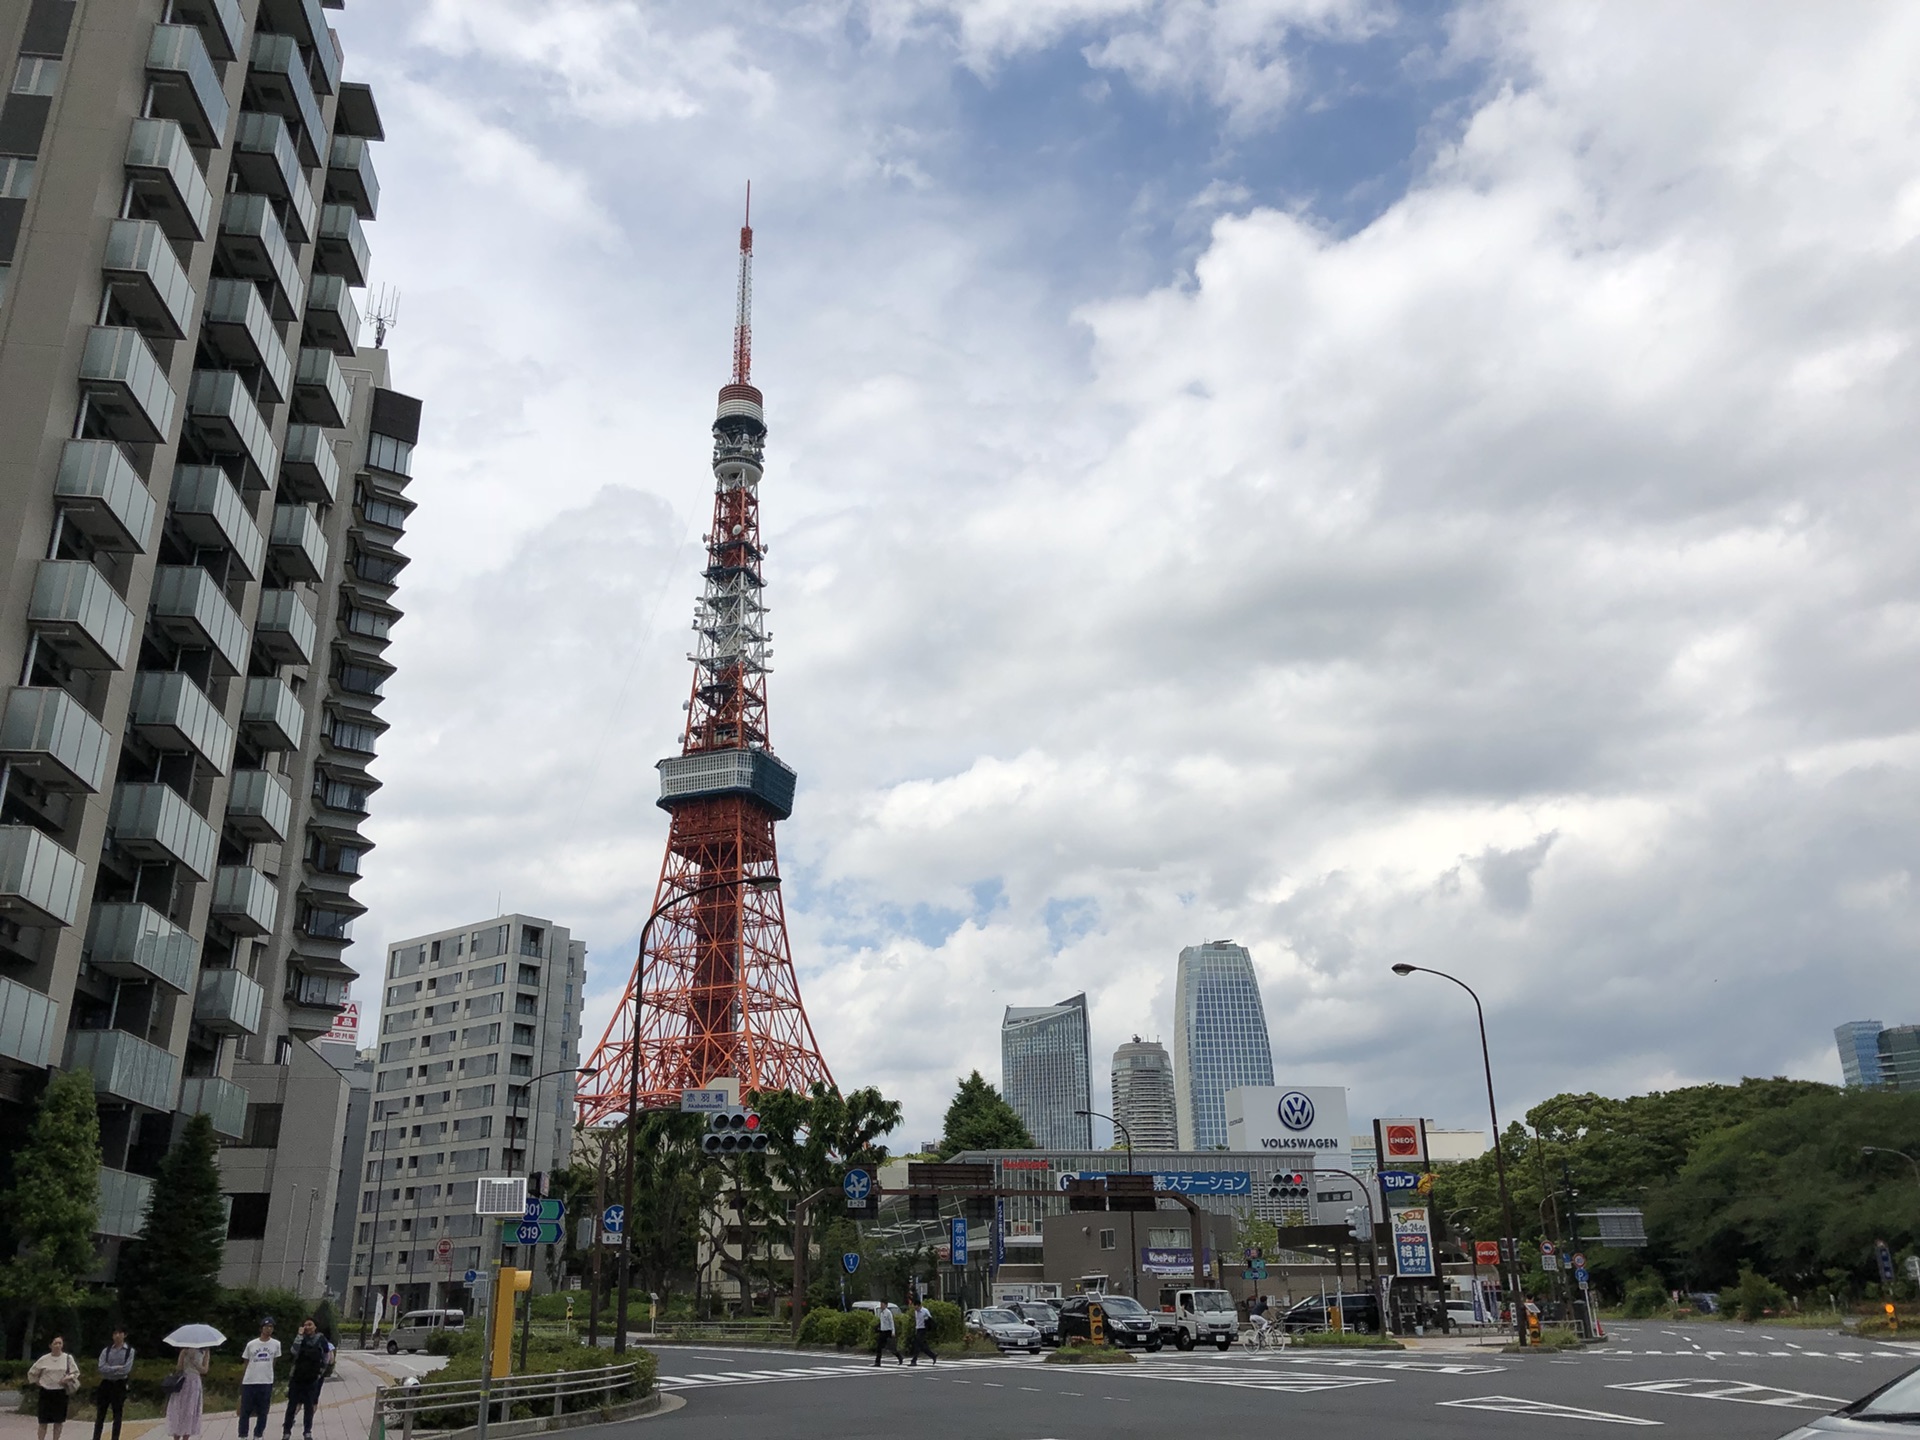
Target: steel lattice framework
x=720 y=996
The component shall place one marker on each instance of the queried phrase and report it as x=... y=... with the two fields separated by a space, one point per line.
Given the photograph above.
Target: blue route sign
x=857 y=1185
x=1580 y=1274
x=472 y=1275
x=958 y=1240
x=613 y=1219
x=851 y=1261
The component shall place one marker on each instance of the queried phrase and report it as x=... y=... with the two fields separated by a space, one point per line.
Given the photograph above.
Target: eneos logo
x=1296 y=1111
x=1403 y=1142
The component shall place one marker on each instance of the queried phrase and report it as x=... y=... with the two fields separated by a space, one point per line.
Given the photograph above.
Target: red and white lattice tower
x=720 y=996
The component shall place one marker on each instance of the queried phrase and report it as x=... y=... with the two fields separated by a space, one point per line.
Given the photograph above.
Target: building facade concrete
x=205 y=473
x=1219 y=1038
x=473 y=1075
x=1045 y=1071
x=1143 y=1098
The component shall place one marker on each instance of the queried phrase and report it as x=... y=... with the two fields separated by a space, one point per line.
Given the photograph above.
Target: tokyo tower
x=715 y=975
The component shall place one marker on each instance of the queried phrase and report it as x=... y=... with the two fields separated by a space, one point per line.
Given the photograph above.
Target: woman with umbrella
x=184 y=1392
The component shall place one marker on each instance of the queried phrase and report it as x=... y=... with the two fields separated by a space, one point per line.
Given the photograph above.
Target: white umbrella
x=195 y=1337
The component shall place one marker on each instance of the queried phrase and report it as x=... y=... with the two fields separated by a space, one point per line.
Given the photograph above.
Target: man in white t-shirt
x=256 y=1381
x=883 y=1334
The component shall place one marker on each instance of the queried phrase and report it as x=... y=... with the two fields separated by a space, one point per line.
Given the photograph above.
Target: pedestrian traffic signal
x=1290 y=1185
x=734 y=1132
x=1506 y=1250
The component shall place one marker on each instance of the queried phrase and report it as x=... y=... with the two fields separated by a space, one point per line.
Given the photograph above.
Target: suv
x=1199 y=1317
x=417 y=1327
x=1126 y=1322
x=1042 y=1316
x=1357 y=1312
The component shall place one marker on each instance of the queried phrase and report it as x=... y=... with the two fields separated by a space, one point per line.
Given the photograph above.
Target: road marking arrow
x=1515 y=1405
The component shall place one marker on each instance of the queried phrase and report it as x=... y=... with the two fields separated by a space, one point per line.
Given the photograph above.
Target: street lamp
x=1883 y=1150
x=1133 y=1232
x=760 y=883
x=1499 y=1150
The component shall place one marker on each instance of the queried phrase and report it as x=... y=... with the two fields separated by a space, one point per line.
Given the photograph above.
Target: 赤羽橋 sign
x=1184 y=1182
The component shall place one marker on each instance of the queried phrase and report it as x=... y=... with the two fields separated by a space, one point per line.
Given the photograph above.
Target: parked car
x=1005 y=1329
x=1126 y=1321
x=1043 y=1317
x=1357 y=1312
x=416 y=1327
x=1198 y=1317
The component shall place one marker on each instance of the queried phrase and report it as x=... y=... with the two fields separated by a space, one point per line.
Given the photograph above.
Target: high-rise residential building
x=1897 y=1054
x=474 y=1075
x=205 y=475
x=1045 y=1071
x=1143 y=1094
x=1219 y=1038
x=1859 y=1044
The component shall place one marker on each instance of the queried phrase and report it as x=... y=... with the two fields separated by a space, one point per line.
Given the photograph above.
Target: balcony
x=277 y=82
x=79 y=616
x=221 y=1101
x=378 y=567
x=49 y=735
x=125 y=1068
x=285 y=630
x=302 y=19
x=350 y=177
x=308 y=469
x=123 y=1203
x=254 y=247
x=226 y=422
x=39 y=881
x=259 y=807
x=320 y=393
x=339 y=795
x=27 y=1025
x=244 y=900
x=209 y=512
x=342 y=248
x=228 y=1003
x=219 y=23
x=332 y=318
x=154 y=824
x=270 y=714
x=269 y=164
x=172 y=713
x=147 y=280
x=186 y=89
x=104 y=497
x=239 y=327
x=299 y=548
x=321 y=992
x=125 y=386
x=162 y=170
x=190 y=610
x=357 y=114
x=132 y=942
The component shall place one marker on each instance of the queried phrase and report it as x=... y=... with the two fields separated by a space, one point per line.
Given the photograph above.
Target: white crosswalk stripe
x=1739 y=1392
x=1518 y=1405
x=707 y=1379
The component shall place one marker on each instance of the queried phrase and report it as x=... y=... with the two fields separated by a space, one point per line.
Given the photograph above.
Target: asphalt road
x=1718 y=1382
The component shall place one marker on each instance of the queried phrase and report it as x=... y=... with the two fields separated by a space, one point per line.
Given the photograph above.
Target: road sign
x=532 y=1232
x=958 y=1242
x=1580 y=1273
x=1913 y=1268
x=1549 y=1260
x=613 y=1219
x=443 y=1251
x=1579 y=1260
x=705 y=1102
x=1486 y=1252
x=394 y=1300
x=851 y=1261
x=472 y=1275
x=1396 y=1180
x=1885 y=1257
x=857 y=1184
x=545 y=1210
x=1546 y=1247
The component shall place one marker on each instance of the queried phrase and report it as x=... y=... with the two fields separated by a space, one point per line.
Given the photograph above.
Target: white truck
x=1198 y=1317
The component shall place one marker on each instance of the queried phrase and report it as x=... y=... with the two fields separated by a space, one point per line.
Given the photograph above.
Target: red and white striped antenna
x=743 y=306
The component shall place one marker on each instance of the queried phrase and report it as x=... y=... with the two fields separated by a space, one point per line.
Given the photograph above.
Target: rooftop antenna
x=386 y=314
x=743 y=302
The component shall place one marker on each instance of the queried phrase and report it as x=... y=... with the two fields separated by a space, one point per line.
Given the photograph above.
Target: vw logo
x=1296 y=1111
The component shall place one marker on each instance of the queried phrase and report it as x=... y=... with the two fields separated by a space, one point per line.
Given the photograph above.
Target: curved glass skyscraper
x=1044 y=1071
x=1219 y=1038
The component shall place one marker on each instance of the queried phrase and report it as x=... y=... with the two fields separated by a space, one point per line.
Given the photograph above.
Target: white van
x=416 y=1327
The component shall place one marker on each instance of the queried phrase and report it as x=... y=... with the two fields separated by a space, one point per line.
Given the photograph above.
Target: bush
x=1352 y=1340
x=545 y=1356
x=237 y=1314
x=1646 y=1299
x=820 y=1327
x=949 y=1322
x=1755 y=1296
x=856 y=1329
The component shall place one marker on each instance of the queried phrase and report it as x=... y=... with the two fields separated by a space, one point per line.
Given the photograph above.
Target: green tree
x=54 y=1204
x=979 y=1119
x=170 y=1274
x=670 y=1186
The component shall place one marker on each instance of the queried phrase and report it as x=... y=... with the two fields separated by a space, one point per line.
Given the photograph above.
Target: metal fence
x=440 y=1407
x=723 y=1330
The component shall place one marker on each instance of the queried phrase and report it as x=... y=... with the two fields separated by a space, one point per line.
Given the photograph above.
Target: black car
x=1042 y=1316
x=1126 y=1321
x=1357 y=1312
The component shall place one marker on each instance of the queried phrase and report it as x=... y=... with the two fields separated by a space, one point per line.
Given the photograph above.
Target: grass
x=1080 y=1352
x=1333 y=1340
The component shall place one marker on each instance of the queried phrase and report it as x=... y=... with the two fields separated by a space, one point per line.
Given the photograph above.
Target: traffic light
x=511 y=1284
x=1357 y=1222
x=1290 y=1185
x=1506 y=1250
x=734 y=1132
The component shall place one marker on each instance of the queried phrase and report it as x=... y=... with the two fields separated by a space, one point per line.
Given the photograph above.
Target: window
x=532 y=940
x=482 y=1005
x=338 y=795
x=490 y=942
x=383 y=512
x=370 y=623
x=361 y=679
x=348 y=735
x=474 y=1097
x=386 y=453
x=474 y=1066
x=328 y=924
x=1106 y=1239
x=37 y=75
x=529 y=975
x=334 y=859
x=487 y=975
x=521 y=1065
x=526 y=1005
x=262 y=1129
x=396 y=994
x=365 y=1233
x=247 y=1219
x=377 y=569
x=523 y=1034
x=16 y=177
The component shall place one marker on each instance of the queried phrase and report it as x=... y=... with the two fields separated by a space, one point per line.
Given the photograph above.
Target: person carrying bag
x=54 y=1377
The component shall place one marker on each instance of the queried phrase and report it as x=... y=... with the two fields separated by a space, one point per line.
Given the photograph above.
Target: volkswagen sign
x=1296 y=1111
x=1296 y=1124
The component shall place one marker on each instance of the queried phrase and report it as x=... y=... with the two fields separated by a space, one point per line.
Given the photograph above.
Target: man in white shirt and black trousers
x=256 y=1381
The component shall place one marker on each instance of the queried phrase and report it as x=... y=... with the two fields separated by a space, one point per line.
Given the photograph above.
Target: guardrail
x=722 y=1330
x=452 y=1407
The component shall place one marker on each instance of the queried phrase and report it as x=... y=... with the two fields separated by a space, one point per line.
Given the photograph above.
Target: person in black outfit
x=310 y=1351
x=116 y=1366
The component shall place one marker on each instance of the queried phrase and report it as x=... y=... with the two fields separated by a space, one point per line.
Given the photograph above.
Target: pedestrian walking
x=309 y=1357
x=885 y=1335
x=922 y=1319
x=188 y=1397
x=116 y=1368
x=55 y=1375
x=256 y=1381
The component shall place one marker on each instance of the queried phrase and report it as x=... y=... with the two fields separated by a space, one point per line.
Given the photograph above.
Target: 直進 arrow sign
x=858 y=1184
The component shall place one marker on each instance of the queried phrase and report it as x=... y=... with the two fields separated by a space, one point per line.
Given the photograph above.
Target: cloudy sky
x=1374 y=482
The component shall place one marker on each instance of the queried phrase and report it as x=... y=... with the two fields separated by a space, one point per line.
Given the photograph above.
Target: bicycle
x=1272 y=1338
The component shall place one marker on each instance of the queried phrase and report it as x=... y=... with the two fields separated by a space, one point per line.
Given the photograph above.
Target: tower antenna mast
x=743 y=302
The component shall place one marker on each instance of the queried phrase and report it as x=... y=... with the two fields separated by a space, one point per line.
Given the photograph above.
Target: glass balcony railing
x=47 y=734
x=161 y=167
x=244 y=900
x=259 y=807
x=350 y=177
x=268 y=163
x=104 y=497
x=208 y=511
x=342 y=248
x=270 y=714
x=378 y=569
x=228 y=1003
x=186 y=88
x=333 y=320
x=123 y=1203
x=338 y=795
x=125 y=386
x=147 y=280
x=189 y=609
x=302 y=19
x=221 y=1101
x=154 y=823
x=39 y=881
x=28 y=1022
x=77 y=613
x=219 y=20
x=173 y=713
x=299 y=547
x=133 y=942
x=277 y=81
x=254 y=247
x=308 y=469
x=361 y=680
x=322 y=992
x=320 y=393
x=240 y=327
x=125 y=1067
x=227 y=422
x=285 y=629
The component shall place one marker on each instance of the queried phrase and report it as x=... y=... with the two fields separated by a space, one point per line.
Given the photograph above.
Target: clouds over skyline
x=1508 y=571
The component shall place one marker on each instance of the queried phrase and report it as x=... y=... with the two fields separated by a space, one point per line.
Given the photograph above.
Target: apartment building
x=206 y=475
x=474 y=1075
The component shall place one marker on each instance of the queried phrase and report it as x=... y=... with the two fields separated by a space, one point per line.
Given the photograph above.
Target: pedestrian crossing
x=687 y=1378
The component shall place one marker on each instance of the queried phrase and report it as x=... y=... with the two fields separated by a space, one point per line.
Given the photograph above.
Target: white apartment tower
x=1143 y=1098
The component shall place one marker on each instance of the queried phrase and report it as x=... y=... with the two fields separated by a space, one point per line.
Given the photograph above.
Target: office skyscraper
x=1143 y=1094
x=1045 y=1071
x=1219 y=1038
x=1898 y=1057
x=1858 y=1043
x=204 y=475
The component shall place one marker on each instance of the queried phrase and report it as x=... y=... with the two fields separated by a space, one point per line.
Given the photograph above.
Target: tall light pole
x=744 y=882
x=1133 y=1233
x=1499 y=1150
x=1883 y=1150
x=585 y=1072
